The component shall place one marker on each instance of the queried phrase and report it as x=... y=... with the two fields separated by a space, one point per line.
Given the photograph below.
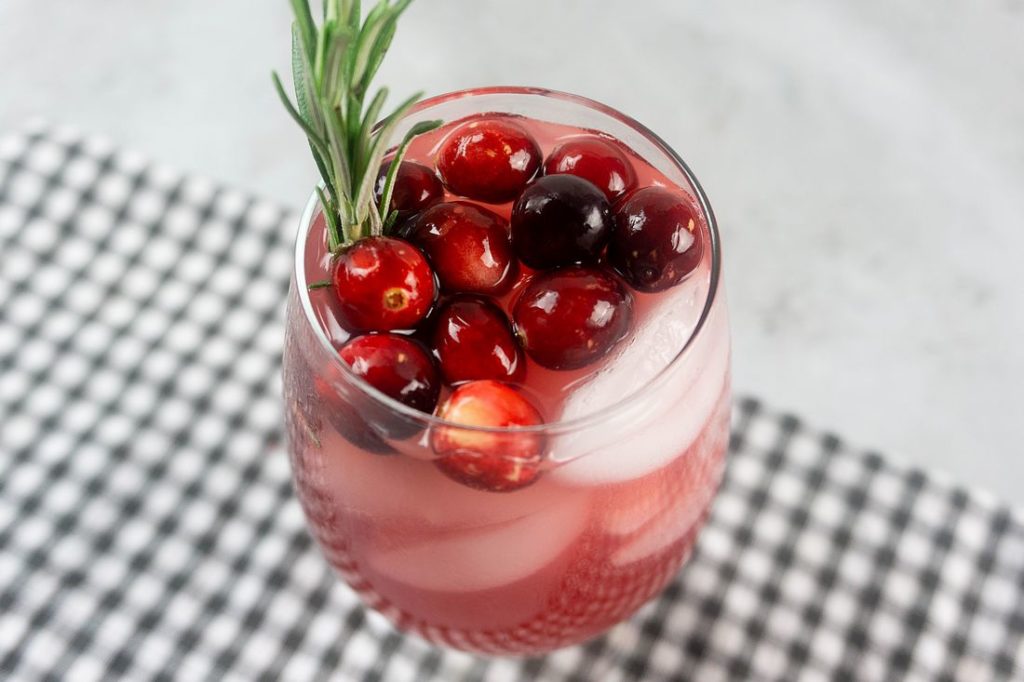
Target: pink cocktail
x=622 y=467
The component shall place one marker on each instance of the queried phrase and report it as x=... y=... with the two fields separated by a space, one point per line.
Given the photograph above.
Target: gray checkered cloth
x=148 y=530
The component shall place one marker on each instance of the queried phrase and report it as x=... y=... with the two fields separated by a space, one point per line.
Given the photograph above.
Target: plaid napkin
x=148 y=531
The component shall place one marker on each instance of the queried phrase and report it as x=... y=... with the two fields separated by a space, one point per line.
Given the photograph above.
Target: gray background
x=866 y=161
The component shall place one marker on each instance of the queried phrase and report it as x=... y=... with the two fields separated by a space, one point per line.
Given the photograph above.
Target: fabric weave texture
x=148 y=530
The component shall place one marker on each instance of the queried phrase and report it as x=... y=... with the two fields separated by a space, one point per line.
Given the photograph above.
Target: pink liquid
x=601 y=532
x=547 y=388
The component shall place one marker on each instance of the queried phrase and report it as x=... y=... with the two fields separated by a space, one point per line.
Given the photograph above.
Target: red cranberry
x=570 y=317
x=468 y=247
x=600 y=161
x=382 y=283
x=488 y=460
x=473 y=340
x=397 y=366
x=489 y=159
x=394 y=365
x=558 y=220
x=657 y=239
x=416 y=187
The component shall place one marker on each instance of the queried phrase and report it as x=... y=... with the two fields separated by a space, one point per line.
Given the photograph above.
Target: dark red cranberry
x=382 y=283
x=488 y=460
x=473 y=340
x=416 y=187
x=569 y=318
x=600 y=161
x=657 y=240
x=468 y=247
x=489 y=159
x=558 y=220
x=397 y=366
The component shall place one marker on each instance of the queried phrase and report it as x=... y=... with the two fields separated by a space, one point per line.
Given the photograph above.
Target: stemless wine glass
x=630 y=468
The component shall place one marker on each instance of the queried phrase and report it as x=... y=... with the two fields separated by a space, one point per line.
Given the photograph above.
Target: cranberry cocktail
x=507 y=380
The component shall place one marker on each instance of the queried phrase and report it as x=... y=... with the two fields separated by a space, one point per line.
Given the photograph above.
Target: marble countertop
x=865 y=159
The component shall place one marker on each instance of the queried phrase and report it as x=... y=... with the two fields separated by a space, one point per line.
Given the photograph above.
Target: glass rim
x=576 y=423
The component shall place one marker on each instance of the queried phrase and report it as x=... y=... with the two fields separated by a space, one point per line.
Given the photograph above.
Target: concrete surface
x=866 y=160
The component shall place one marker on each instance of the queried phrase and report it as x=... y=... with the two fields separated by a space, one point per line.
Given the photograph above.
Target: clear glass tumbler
x=629 y=475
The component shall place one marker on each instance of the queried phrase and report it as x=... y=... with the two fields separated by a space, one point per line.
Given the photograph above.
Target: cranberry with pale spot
x=657 y=240
x=560 y=220
x=489 y=159
x=571 y=317
x=598 y=160
x=382 y=284
x=473 y=340
x=482 y=457
x=468 y=246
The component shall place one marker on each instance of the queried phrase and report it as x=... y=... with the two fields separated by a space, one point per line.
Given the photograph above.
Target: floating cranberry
x=473 y=340
x=382 y=283
x=482 y=459
x=416 y=187
x=489 y=159
x=600 y=161
x=570 y=317
x=397 y=366
x=657 y=240
x=468 y=247
x=559 y=220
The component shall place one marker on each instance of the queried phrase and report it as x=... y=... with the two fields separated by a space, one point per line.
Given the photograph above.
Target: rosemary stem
x=333 y=64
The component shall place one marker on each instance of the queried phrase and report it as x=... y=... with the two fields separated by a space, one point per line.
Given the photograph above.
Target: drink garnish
x=333 y=65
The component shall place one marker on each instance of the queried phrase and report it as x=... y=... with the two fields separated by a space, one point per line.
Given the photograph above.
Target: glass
x=631 y=471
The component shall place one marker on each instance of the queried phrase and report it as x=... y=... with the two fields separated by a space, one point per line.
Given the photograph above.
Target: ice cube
x=624 y=519
x=486 y=558
x=627 y=508
x=673 y=524
x=397 y=487
x=661 y=422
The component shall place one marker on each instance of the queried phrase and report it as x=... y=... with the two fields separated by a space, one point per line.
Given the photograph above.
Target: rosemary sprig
x=333 y=65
